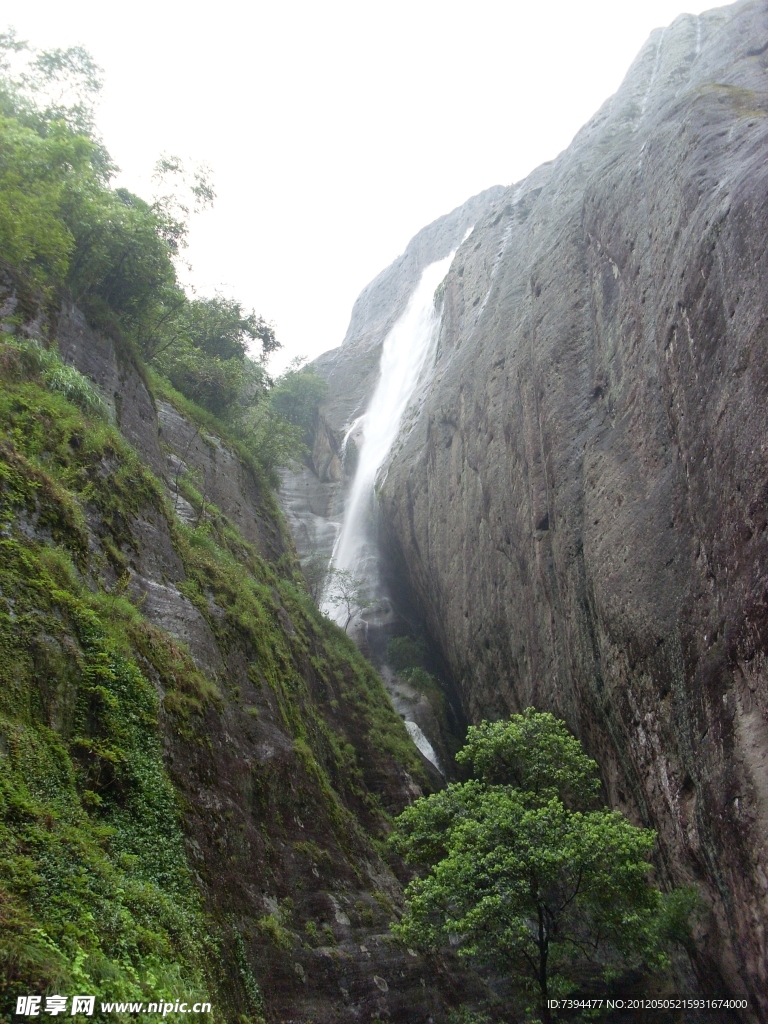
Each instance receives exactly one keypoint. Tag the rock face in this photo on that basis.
(580, 507)
(283, 750)
(313, 496)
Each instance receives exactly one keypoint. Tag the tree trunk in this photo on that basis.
(542, 979)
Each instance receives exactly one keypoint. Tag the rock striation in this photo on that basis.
(579, 509)
(279, 748)
(578, 506)
(312, 496)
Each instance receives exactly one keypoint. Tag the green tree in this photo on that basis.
(298, 393)
(524, 882)
(212, 351)
(45, 87)
(35, 175)
(121, 261)
(66, 232)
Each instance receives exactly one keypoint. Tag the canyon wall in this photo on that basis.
(576, 506)
(580, 507)
(206, 765)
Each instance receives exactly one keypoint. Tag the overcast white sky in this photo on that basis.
(337, 129)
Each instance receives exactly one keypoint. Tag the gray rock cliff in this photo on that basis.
(577, 505)
(579, 508)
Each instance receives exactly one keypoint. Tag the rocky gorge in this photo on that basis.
(574, 512)
(196, 768)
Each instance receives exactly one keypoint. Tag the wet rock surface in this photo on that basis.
(289, 875)
(313, 495)
(579, 508)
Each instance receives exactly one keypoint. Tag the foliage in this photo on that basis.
(206, 351)
(76, 388)
(272, 928)
(121, 263)
(298, 393)
(405, 652)
(526, 884)
(220, 327)
(65, 229)
(59, 221)
(31, 357)
(95, 892)
(407, 655)
(36, 175)
(202, 346)
(272, 441)
(175, 192)
(535, 753)
(43, 88)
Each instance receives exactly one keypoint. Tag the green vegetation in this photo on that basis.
(526, 873)
(96, 894)
(64, 231)
(94, 885)
(279, 936)
(407, 656)
(297, 394)
(405, 653)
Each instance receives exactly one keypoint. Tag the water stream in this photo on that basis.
(404, 358)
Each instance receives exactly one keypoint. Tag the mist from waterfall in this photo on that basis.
(403, 356)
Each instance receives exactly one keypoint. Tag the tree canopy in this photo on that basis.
(522, 876)
(66, 233)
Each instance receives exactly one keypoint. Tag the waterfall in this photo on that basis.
(403, 356)
(423, 744)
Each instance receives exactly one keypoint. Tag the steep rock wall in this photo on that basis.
(313, 495)
(274, 740)
(579, 507)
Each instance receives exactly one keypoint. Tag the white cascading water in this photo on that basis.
(423, 744)
(403, 356)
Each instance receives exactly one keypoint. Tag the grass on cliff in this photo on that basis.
(269, 614)
(95, 891)
(220, 564)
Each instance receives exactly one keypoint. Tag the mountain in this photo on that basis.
(576, 507)
(197, 769)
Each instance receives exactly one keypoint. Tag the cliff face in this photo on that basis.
(194, 762)
(579, 508)
(313, 496)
